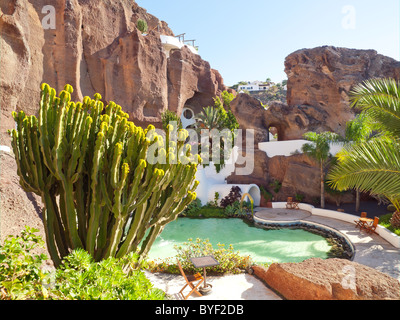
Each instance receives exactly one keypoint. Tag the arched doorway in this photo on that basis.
(273, 133)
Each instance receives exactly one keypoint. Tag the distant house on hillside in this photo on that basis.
(254, 86)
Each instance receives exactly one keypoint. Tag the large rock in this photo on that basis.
(319, 82)
(96, 47)
(21, 59)
(322, 78)
(330, 279)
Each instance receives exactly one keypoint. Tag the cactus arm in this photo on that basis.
(95, 203)
(48, 218)
(133, 230)
(148, 242)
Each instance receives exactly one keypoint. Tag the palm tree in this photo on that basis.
(318, 150)
(374, 165)
(357, 131)
(208, 118)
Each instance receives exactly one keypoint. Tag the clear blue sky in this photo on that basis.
(249, 40)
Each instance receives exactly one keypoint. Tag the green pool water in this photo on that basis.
(264, 246)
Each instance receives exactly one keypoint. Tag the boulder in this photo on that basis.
(330, 279)
(323, 77)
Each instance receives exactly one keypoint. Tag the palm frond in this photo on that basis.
(380, 100)
(372, 166)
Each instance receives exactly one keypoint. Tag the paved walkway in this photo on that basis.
(370, 250)
(231, 287)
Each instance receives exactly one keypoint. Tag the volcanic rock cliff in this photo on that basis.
(318, 87)
(96, 47)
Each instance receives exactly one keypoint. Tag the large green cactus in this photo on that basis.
(90, 166)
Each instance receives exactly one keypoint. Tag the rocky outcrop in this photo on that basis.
(318, 87)
(96, 47)
(321, 79)
(21, 59)
(331, 279)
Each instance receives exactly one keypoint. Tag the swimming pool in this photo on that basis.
(264, 246)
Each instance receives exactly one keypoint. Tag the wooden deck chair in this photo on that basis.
(359, 223)
(372, 227)
(292, 204)
(190, 282)
(289, 203)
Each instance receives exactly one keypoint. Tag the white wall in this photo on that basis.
(187, 121)
(211, 182)
(170, 43)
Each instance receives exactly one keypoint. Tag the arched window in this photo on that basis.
(273, 134)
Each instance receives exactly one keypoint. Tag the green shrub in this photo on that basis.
(384, 221)
(77, 278)
(266, 194)
(193, 208)
(80, 278)
(20, 274)
(229, 260)
(142, 26)
(211, 212)
(169, 116)
(299, 197)
(276, 185)
(234, 209)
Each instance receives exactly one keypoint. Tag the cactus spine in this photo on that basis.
(89, 165)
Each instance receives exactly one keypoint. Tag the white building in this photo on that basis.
(254, 86)
(175, 43)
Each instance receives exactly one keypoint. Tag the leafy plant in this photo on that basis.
(229, 260)
(142, 26)
(81, 278)
(193, 208)
(20, 274)
(318, 149)
(216, 198)
(170, 116)
(373, 165)
(92, 169)
(77, 278)
(299, 197)
(266, 194)
(276, 185)
(236, 210)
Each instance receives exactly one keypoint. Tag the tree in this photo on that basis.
(357, 131)
(209, 118)
(318, 150)
(374, 165)
(219, 117)
(91, 167)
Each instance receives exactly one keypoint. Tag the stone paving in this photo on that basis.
(370, 250)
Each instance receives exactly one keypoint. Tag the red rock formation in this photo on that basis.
(320, 79)
(96, 47)
(331, 279)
